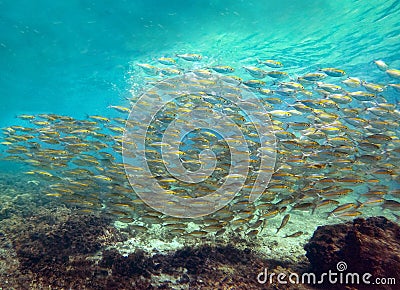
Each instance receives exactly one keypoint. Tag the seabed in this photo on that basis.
(45, 245)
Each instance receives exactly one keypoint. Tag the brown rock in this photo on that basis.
(366, 246)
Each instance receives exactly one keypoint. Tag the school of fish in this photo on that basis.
(337, 147)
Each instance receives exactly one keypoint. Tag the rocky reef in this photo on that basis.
(62, 249)
(202, 267)
(53, 247)
(50, 247)
(362, 246)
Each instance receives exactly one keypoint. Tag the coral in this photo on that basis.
(366, 246)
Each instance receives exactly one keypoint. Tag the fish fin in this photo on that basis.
(359, 204)
(315, 206)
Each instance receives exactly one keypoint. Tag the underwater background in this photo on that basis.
(73, 57)
(85, 58)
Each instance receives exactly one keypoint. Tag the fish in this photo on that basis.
(284, 222)
(166, 60)
(373, 201)
(378, 138)
(344, 208)
(254, 83)
(252, 233)
(334, 141)
(394, 73)
(391, 204)
(271, 63)
(333, 72)
(148, 68)
(331, 88)
(271, 213)
(190, 56)
(352, 82)
(395, 86)
(325, 202)
(286, 92)
(223, 69)
(294, 235)
(256, 72)
(203, 73)
(337, 192)
(373, 88)
(292, 85)
(347, 214)
(303, 206)
(167, 71)
(362, 96)
(280, 113)
(381, 65)
(313, 77)
(26, 117)
(277, 74)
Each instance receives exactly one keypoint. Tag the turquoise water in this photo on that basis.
(73, 57)
(77, 58)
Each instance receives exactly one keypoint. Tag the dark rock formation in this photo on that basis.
(43, 246)
(366, 246)
(54, 250)
(60, 248)
(68, 250)
(203, 267)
